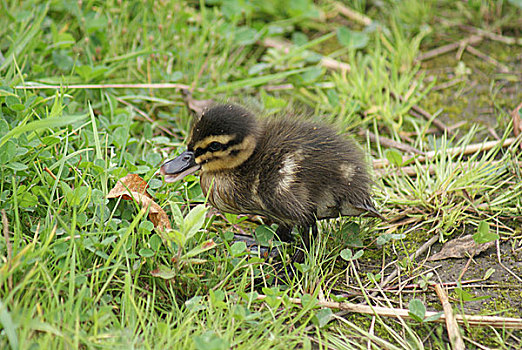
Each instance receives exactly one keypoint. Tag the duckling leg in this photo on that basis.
(284, 233)
(306, 236)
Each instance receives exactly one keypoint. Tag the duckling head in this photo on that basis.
(221, 139)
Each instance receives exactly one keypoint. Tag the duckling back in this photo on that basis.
(302, 171)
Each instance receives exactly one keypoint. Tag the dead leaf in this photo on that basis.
(462, 247)
(133, 187)
(132, 183)
(196, 106)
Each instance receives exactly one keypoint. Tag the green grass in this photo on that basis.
(81, 271)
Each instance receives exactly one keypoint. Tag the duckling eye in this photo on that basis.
(215, 146)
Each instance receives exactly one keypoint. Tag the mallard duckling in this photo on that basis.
(291, 171)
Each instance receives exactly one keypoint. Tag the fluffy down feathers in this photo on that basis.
(292, 171)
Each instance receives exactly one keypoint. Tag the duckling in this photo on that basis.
(290, 171)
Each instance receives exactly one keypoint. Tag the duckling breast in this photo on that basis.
(219, 188)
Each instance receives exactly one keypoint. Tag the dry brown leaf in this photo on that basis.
(196, 106)
(133, 187)
(129, 183)
(517, 124)
(461, 248)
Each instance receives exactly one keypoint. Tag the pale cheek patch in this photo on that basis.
(347, 171)
(215, 165)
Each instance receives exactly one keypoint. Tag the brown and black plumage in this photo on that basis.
(291, 171)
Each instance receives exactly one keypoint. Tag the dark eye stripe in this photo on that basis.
(215, 146)
(201, 151)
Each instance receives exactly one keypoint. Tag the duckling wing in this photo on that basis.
(283, 197)
(306, 172)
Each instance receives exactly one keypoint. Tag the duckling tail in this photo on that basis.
(370, 210)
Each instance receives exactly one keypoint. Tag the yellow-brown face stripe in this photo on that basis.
(223, 159)
(223, 139)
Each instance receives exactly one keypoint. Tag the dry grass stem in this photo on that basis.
(472, 40)
(384, 141)
(287, 46)
(472, 320)
(488, 59)
(447, 84)
(145, 115)
(493, 36)
(451, 323)
(333, 64)
(504, 266)
(279, 87)
(352, 14)
(406, 170)
(48, 171)
(9, 247)
(419, 112)
(37, 86)
(413, 171)
(476, 147)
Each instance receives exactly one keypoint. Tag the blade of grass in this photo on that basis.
(252, 82)
(41, 124)
(26, 37)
